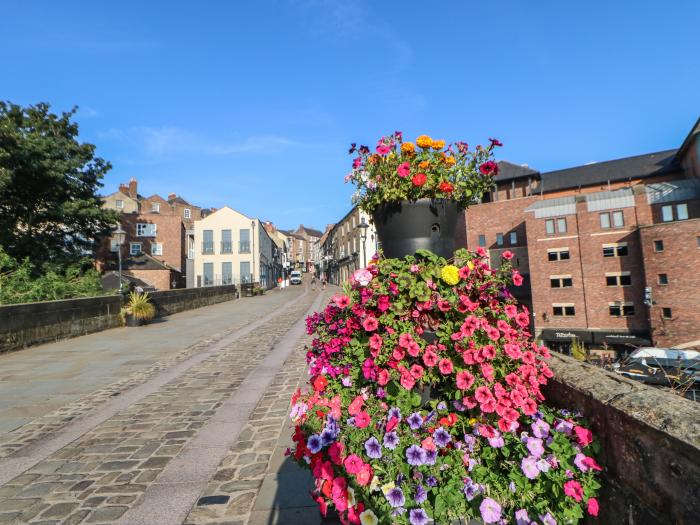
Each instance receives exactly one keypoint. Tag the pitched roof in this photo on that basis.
(639, 166)
(179, 200)
(144, 261)
(313, 232)
(509, 171)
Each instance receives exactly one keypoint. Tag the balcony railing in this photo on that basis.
(244, 247)
(226, 247)
(207, 247)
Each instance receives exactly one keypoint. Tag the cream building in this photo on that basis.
(232, 248)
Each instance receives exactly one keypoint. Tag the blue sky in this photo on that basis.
(253, 104)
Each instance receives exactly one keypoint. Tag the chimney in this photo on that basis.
(133, 188)
(124, 189)
(171, 196)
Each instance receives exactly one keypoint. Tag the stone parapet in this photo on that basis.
(650, 443)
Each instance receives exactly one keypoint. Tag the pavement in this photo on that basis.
(182, 421)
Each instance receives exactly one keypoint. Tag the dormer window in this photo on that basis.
(188, 213)
(155, 207)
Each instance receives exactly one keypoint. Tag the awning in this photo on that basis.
(621, 338)
(566, 336)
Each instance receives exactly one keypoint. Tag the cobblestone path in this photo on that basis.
(188, 439)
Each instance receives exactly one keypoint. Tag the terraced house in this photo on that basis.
(608, 250)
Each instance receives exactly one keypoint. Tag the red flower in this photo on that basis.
(391, 424)
(446, 187)
(419, 179)
(517, 278)
(320, 383)
(593, 506)
(489, 168)
(583, 435)
(362, 419)
(356, 405)
(573, 489)
(495, 142)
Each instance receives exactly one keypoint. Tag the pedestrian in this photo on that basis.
(313, 282)
(323, 281)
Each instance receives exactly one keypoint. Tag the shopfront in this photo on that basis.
(601, 343)
(560, 340)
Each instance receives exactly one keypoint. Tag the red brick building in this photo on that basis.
(157, 247)
(609, 251)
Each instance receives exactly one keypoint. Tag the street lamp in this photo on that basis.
(119, 235)
(363, 235)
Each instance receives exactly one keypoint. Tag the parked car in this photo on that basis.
(661, 366)
(295, 277)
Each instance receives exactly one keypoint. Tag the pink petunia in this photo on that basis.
(464, 380)
(583, 436)
(341, 301)
(353, 463)
(593, 507)
(362, 419)
(430, 358)
(445, 366)
(370, 324)
(403, 170)
(573, 489)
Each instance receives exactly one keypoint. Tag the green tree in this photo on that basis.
(50, 212)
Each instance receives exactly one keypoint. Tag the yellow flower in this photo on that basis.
(387, 487)
(408, 147)
(451, 160)
(424, 141)
(450, 274)
(438, 144)
(470, 265)
(472, 422)
(368, 517)
(374, 484)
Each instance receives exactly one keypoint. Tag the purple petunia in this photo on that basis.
(327, 437)
(469, 441)
(373, 448)
(490, 510)
(314, 443)
(431, 481)
(441, 437)
(395, 497)
(529, 467)
(496, 441)
(543, 465)
(395, 412)
(415, 421)
(391, 440)
(420, 495)
(548, 519)
(415, 455)
(430, 456)
(540, 429)
(417, 517)
(534, 445)
(522, 517)
(471, 489)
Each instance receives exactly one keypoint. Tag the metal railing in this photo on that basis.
(208, 247)
(226, 247)
(243, 246)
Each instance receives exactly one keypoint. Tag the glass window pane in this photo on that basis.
(561, 225)
(614, 310)
(569, 310)
(553, 256)
(605, 220)
(564, 255)
(628, 309)
(226, 273)
(663, 278)
(611, 280)
(567, 282)
(658, 246)
(245, 272)
(208, 274)
(549, 226)
(554, 283)
(609, 251)
(513, 238)
(482, 240)
(557, 310)
(625, 280)
(499, 239)
(622, 251)
(667, 213)
(618, 219)
(682, 211)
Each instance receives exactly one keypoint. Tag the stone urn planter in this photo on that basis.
(426, 224)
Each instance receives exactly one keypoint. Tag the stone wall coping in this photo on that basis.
(651, 406)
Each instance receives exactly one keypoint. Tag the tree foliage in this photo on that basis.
(49, 208)
(19, 282)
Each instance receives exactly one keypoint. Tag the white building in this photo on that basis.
(232, 248)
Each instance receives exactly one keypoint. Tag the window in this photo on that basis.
(135, 248)
(615, 250)
(156, 248)
(615, 219)
(244, 243)
(605, 220)
(119, 204)
(666, 313)
(187, 213)
(245, 272)
(208, 274)
(145, 230)
(226, 273)
(226, 244)
(621, 309)
(563, 310)
(658, 246)
(207, 241)
(482, 240)
(698, 239)
(113, 245)
(682, 212)
(499, 239)
(618, 279)
(513, 238)
(662, 279)
(554, 226)
(549, 226)
(561, 225)
(558, 254)
(155, 207)
(618, 219)
(560, 281)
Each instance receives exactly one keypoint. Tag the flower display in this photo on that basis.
(429, 168)
(425, 399)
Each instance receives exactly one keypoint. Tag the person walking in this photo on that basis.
(313, 282)
(323, 281)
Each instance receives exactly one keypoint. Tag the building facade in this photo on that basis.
(604, 248)
(303, 245)
(232, 248)
(347, 247)
(155, 249)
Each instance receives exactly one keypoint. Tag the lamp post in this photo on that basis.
(119, 236)
(363, 235)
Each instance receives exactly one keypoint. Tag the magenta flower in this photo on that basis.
(403, 170)
(370, 324)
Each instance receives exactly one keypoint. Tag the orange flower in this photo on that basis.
(408, 147)
(423, 164)
(438, 144)
(374, 159)
(424, 141)
(451, 160)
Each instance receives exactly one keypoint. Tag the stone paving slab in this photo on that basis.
(100, 476)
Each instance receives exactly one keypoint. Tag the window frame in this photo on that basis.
(561, 281)
(187, 213)
(617, 277)
(558, 252)
(685, 212)
(659, 243)
(159, 244)
(155, 207)
(624, 309)
(131, 248)
(119, 204)
(500, 239)
(667, 208)
(141, 226)
(547, 224)
(481, 241)
(605, 215)
(566, 309)
(621, 215)
(513, 238)
(666, 312)
(662, 281)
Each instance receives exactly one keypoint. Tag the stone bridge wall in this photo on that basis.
(650, 440)
(23, 325)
